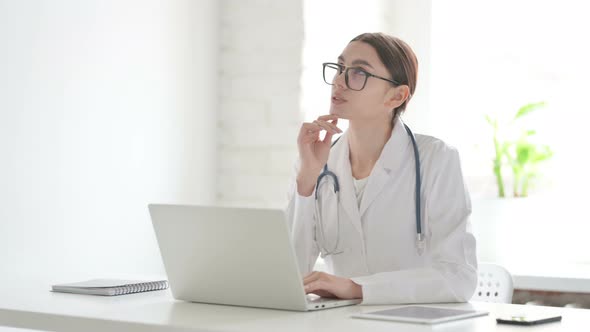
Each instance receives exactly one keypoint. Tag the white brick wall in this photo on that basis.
(260, 71)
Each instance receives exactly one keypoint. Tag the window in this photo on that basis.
(486, 57)
(491, 57)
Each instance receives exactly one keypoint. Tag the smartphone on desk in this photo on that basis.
(528, 319)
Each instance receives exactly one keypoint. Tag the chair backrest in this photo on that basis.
(494, 284)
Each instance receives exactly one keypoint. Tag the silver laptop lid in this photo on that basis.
(233, 256)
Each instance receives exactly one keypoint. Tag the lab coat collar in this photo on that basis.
(393, 155)
(340, 164)
(391, 158)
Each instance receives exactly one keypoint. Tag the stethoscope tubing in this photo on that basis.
(417, 200)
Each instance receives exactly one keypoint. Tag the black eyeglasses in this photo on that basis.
(355, 77)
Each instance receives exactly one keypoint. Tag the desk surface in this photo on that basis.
(30, 304)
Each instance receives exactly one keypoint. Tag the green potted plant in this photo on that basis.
(521, 154)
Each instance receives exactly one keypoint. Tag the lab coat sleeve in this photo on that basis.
(300, 214)
(450, 275)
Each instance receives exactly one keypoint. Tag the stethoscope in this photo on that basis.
(326, 173)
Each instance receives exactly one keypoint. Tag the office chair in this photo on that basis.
(494, 284)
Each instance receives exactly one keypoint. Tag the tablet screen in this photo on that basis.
(421, 314)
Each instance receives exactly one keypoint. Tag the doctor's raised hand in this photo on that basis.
(314, 151)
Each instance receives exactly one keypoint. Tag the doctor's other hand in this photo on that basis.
(314, 151)
(327, 285)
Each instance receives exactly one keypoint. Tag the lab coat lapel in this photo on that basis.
(393, 155)
(347, 194)
(377, 180)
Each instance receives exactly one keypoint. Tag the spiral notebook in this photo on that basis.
(110, 287)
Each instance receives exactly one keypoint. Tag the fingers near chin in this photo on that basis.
(328, 117)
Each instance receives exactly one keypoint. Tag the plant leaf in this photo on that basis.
(526, 109)
(524, 152)
(543, 153)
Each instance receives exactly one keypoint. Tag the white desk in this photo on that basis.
(29, 304)
(553, 278)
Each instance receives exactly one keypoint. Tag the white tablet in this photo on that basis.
(421, 314)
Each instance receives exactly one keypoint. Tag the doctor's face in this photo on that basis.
(369, 102)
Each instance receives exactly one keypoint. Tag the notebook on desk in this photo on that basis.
(110, 287)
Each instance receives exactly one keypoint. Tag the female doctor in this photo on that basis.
(355, 203)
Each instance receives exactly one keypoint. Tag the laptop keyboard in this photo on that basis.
(314, 299)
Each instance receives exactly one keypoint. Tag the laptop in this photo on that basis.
(232, 256)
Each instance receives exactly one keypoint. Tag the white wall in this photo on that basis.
(259, 119)
(105, 106)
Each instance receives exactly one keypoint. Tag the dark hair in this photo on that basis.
(398, 58)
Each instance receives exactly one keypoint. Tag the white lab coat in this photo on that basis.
(379, 239)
